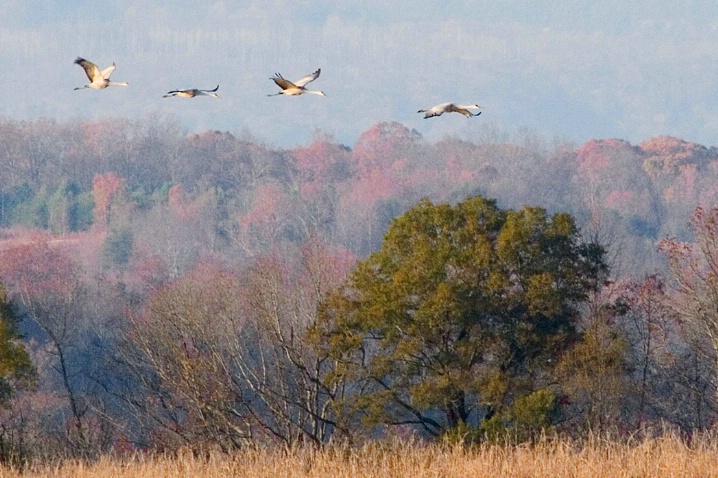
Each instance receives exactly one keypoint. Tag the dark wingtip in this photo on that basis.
(78, 60)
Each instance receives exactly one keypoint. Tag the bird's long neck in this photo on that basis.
(121, 83)
(314, 92)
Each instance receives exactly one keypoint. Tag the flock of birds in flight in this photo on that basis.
(100, 79)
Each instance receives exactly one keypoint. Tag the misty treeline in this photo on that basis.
(165, 289)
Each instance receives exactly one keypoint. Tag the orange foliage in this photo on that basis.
(268, 202)
(666, 154)
(595, 155)
(95, 134)
(105, 188)
(36, 269)
(377, 148)
(315, 159)
(179, 205)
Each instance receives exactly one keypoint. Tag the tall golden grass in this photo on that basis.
(655, 458)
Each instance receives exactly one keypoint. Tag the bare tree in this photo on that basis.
(46, 282)
(274, 358)
(693, 294)
(184, 392)
(219, 360)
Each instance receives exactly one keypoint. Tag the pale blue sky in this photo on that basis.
(574, 70)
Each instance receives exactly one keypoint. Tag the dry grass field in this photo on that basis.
(655, 458)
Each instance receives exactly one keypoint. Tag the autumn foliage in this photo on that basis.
(206, 290)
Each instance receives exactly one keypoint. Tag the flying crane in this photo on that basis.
(191, 93)
(442, 108)
(98, 79)
(296, 88)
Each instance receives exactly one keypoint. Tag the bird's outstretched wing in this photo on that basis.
(308, 79)
(211, 91)
(432, 113)
(90, 68)
(436, 110)
(282, 83)
(108, 71)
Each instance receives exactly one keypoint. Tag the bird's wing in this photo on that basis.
(308, 79)
(467, 107)
(211, 91)
(282, 83)
(90, 68)
(440, 109)
(108, 71)
(187, 93)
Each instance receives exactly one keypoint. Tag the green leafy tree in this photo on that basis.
(33, 212)
(595, 374)
(17, 374)
(461, 312)
(16, 369)
(118, 247)
(81, 212)
(11, 200)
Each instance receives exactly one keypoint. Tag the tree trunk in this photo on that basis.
(456, 410)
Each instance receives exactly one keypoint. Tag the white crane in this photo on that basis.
(191, 93)
(296, 88)
(442, 108)
(98, 79)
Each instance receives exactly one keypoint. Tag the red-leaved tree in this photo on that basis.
(106, 188)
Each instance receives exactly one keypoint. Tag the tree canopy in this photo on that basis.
(16, 369)
(462, 311)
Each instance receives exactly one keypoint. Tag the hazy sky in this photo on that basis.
(572, 69)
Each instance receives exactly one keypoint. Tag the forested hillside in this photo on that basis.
(118, 175)
(179, 288)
